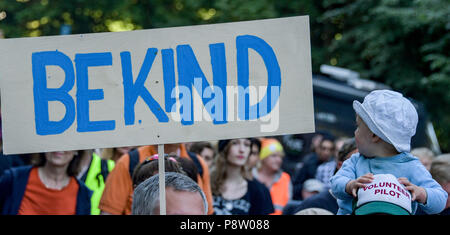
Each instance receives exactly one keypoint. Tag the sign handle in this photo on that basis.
(162, 180)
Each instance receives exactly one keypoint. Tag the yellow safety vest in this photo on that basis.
(95, 181)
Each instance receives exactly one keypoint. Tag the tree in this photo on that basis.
(404, 44)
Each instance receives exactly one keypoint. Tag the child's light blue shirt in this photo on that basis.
(401, 165)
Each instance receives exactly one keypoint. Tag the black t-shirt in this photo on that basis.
(256, 201)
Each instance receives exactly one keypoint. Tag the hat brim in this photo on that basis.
(380, 208)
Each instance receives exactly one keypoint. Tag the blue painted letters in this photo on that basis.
(190, 77)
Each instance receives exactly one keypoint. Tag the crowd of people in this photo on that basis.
(242, 176)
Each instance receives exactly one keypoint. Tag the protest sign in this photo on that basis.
(156, 86)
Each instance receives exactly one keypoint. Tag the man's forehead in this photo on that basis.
(194, 205)
(327, 143)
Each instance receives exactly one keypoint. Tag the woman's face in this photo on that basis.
(208, 156)
(238, 152)
(254, 157)
(60, 158)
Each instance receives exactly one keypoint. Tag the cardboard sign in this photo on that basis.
(157, 86)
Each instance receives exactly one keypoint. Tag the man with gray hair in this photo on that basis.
(183, 196)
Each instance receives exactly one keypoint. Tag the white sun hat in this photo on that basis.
(390, 116)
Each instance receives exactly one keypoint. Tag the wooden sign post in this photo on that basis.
(162, 177)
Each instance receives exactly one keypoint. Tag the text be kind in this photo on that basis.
(188, 70)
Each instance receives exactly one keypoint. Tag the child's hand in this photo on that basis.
(418, 194)
(353, 186)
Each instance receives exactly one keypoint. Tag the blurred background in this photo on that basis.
(357, 46)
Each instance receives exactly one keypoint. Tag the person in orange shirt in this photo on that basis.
(270, 174)
(50, 187)
(118, 192)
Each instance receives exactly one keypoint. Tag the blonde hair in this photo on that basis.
(423, 153)
(440, 168)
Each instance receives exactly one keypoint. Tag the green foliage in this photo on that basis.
(403, 43)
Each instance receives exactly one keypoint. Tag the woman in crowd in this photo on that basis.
(233, 190)
(205, 150)
(49, 187)
(253, 161)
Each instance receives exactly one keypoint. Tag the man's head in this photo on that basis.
(326, 148)
(315, 141)
(425, 156)
(271, 154)
(312, 187)
(183, 196)
(386, 115)
(440, 170)
(345, 152)
(253, 159)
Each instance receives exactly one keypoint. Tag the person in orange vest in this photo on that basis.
(118, 192)
(270, 173)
